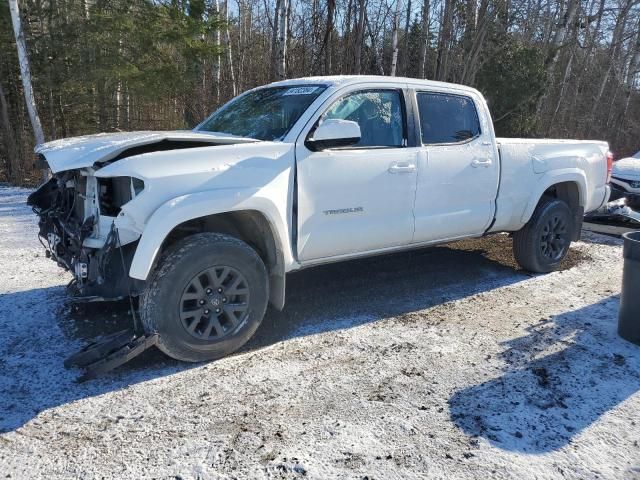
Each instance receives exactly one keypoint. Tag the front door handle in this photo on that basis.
(402, 167)
(481, 162)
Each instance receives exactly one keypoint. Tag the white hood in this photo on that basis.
(627, 169)
(82, 152)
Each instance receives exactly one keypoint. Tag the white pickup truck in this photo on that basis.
(204, 225)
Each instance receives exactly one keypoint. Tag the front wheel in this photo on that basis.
(544, 241)
(207, 298)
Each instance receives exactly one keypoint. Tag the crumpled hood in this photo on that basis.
(627, 168)
(85, 151)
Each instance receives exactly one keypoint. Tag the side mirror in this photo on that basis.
(333, 133)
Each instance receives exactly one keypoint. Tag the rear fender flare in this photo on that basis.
(550, 179)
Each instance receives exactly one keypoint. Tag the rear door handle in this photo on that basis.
(481, 162)
(402, 167)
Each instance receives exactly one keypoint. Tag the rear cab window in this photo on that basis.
(447, 118)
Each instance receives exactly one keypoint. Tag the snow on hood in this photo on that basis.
(627, 168)
(82, 152)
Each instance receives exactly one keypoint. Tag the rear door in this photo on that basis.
(358, 198)
(458, 170)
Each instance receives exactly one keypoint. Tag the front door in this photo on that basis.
(359, 198)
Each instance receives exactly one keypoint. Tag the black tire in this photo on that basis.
(187, 271)
(541, 245)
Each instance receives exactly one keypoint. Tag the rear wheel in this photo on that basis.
(544, 241)
(207, 298)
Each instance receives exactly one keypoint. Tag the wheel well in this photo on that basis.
(250, 226)
(568, 192)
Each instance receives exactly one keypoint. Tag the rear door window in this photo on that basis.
(447, 118)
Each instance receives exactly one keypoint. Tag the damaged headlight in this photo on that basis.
(114, 192)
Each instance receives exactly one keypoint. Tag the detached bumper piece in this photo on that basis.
(110, 352)
(612, 219)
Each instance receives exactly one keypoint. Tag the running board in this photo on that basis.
(109, 352)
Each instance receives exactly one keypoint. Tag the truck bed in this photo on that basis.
(527, 164)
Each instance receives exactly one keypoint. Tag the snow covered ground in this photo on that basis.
(441, 363)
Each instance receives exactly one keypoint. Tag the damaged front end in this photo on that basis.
(77, 219)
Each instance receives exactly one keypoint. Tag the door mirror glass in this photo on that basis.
(332, 133)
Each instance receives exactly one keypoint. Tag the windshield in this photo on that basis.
(264, 114)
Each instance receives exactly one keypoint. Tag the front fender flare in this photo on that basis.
(191, 206)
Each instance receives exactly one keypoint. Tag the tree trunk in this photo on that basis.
(557, 43)
(227, 40)
(359, 38)
(561, 96)
(326, 41)
(582, 71)
(217, 60)
(394, 38)
(274, 34)
(442, 61)
(559, 37)
(281, 44)
(14, 175)
(345, 42)
(25, 73)
(472, 57)
(424, 40)
(614, 52)
(374, 49)
(634, 65)
(405, 49)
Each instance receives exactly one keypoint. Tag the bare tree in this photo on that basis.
(634, 64)
(614, 55)
(374, 49)
(424, 39)
(282, 17)
(215, 71)
(474, 49)
(359, 37)
(394, 38)
(326, 41)
(577, 62)
(25, 72)
(11, 149)
(227, 41)
(568, 20)
(405, 47)
(442, 60)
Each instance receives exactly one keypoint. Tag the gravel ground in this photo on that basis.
(447, 362)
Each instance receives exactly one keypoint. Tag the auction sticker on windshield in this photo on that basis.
(300, 91)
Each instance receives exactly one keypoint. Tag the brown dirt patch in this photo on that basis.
(499, 248)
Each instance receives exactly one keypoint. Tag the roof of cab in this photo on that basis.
(340, 80)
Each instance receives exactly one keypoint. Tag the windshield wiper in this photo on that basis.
(230, 135)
